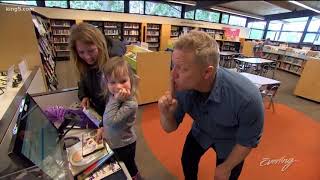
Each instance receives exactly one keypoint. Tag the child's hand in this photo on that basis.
(122, 95)
(99, 135)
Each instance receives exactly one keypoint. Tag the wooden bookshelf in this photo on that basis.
(225, 45)
(61, 31)
(153, 36)
(217, 34)
(287, 60)
(97, 24)
(131, 32)
(153, 68)
(308, 85)
(47, 52)
(113, 29)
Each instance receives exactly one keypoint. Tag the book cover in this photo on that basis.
(89, 144)
(92, 115)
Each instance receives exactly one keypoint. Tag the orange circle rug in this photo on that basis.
(289, 148)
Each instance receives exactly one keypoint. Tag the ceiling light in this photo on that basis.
(304, 6)
(182, 2)
(240, 14)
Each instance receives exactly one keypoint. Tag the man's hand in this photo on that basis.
(99, 135)
(222, 172)
(85, 103)
(167, 104)
(123, 94)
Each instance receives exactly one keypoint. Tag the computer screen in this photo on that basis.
(36, 141)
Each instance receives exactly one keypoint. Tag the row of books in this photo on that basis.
(59, 39)
(46, 50)
(60, 31)
(130, 32)
(60, 23)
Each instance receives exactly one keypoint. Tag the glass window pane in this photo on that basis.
(32, 3)
(273, 35)
(189, 15)
(294, 24)
(314, 24)
(257, 25)
(225, 18)
(117, 6)
(162, 9)
(237, 21)
(62, 4)
(317, 41)
(136, 7)
(207, 15)
(290, 36)
(275, 25)
(309, 38)
(256, 34)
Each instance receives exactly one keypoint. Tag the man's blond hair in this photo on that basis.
(205, 48)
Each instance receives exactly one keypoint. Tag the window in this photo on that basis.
(273, 35)
(32, 3)
(290, 36)
(309, 38)
(256, 34)
(294, 24)
(162, 9)
(116, 6)
(314, 24)
(61, 4)
(136, 7)
(189, 15)
(237, 21)
(317, 41)
(275, 25)
(257, 25)
(225, 18)
(207, 16)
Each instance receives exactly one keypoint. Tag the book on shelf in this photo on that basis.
(89, 143)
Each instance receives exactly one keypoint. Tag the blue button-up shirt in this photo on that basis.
(232, 114)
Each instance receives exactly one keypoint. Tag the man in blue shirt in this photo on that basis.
(226, 108)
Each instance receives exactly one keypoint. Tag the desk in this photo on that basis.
(254, 60)
(259, 80)
(228, 53)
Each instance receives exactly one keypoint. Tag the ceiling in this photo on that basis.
(254, 8)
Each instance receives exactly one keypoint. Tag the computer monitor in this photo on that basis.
(35, 141)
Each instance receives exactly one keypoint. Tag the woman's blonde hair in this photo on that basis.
(205, 48)
(116, 68)
(87, 34)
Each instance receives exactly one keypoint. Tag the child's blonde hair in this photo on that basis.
(115, 68)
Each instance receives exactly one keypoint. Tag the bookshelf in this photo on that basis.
(288, 59)
(113, 29)
(175, 31)
(148, 65)
(233, 46)
(97, 24)
(217, 34)
(153, 36)
(61, 32)
(131, 32)
(47, 52)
